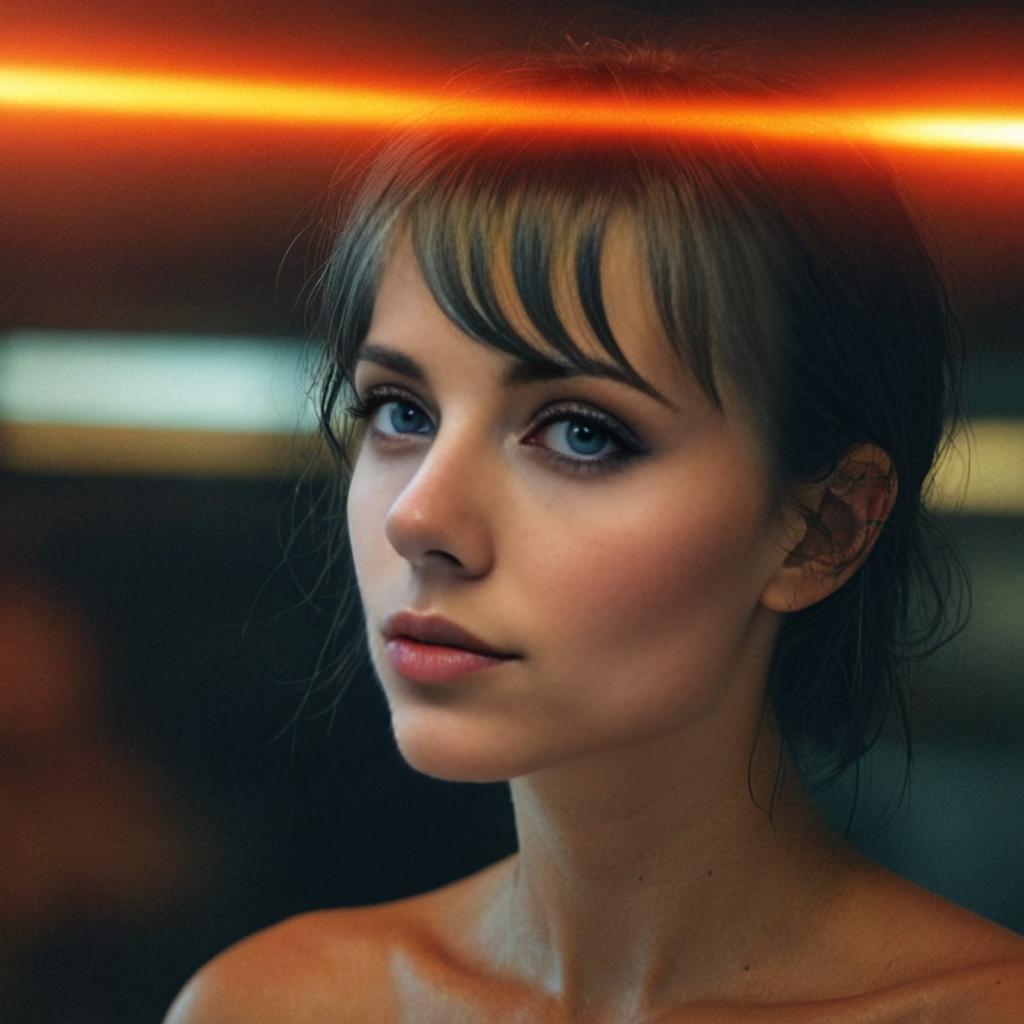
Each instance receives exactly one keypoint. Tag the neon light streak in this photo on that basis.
(140, 95)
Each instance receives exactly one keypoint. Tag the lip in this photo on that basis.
(435, 629)
(435, 663)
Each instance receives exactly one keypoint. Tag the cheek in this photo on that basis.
(366, 508)
(649, 603)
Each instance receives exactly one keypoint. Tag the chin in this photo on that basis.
(452, 755)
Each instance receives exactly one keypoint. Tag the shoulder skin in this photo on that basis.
(991, 993)
(321, 966)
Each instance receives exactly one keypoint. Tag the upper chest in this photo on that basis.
(424, 972)
(418, 992)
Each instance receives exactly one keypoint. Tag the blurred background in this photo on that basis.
(158, 796)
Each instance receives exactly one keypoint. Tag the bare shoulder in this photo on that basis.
(319, 966)
(327, 967)
(930, 959)
(988, 993)
(979, 978)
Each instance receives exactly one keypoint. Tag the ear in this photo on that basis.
(850, 508)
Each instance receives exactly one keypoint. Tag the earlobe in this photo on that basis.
(849, 510)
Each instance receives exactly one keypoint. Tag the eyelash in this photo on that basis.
(362, 408)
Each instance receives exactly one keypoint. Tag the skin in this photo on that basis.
(643, 604)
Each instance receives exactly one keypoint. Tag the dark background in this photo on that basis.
(159, 807)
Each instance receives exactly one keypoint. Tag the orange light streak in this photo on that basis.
(142, 95)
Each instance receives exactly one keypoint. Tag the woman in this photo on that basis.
(644, 423)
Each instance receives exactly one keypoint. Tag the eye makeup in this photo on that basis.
(625, 445)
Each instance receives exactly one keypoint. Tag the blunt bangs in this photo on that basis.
(500, 218)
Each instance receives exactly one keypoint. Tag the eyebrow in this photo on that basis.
(517, 373)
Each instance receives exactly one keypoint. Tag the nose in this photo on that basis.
(442, 517)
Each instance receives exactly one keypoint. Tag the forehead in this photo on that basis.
(405, 308)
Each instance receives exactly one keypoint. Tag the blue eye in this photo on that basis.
(586, 432)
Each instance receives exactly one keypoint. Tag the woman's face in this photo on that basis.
(629, 592)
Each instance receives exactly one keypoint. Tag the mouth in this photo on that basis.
(481, 650)
(445, 647)
(425, 662)
(440, 633)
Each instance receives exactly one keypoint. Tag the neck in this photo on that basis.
(647, 877)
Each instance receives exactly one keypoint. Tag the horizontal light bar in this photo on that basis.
(985, 475)
(249, 385)
(94, 403)
(83, 402)
(127, 94)
(121, 451)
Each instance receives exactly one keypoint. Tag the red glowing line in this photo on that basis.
(187, 97)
